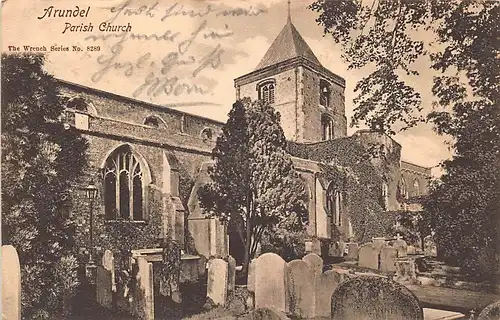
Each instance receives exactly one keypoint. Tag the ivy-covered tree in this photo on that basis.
(40, 162)
(255, 187)
(462, 44)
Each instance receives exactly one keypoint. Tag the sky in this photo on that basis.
(185, 54)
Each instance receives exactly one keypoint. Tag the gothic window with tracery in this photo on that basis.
(123, 186)
(334, 205)
(326, 128)
(267, 92)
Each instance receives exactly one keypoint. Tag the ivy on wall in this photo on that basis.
(346, 163)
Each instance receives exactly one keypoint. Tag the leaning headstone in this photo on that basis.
(402, 248)
(108, 262)
(353, 251)
(104, 283)
(11, 284)
(144, 291)
(388, 257)
(270, 273)
(231, 273)
(374, 298)
(491, 312)
(326, 284)
(251, 276)
(315, 263)
(368, 256)
(217, 281)
(301, 285)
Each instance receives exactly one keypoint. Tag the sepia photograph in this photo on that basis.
(250, 159)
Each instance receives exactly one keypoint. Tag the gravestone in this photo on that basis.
(301, 283)
(268, 314)
(217, 281)
(315, 263)
(335, 249)
(353, 251)
(411, 250)
(251, 276)
(402, 248)
(143, 298)
(368, 256)
(316, 246)
(374, 298)
(270, 273)
(108, 262)
(405, 269)
(231, 273)
(379, 243)
(388, 256)
(11, 284)
(202, 266)
(326, 284)
(104, 283)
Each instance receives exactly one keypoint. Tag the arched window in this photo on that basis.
(81, 104)
(123, 186)
(403, 192)
(385, 196)
(155, 121)
(324, 93)
(206, 134)
(267, 92)
(334, 205)
(416, 188)
(326, 128)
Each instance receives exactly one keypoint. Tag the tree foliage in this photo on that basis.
(462, 45)
(255, 187)
(40, 162)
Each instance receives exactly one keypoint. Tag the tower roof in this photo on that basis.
(287, 45)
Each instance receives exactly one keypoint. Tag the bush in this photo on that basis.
(286, 244)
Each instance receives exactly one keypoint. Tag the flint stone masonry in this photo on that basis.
(388, 256)
(104, 294)
(401, 247)
(11, 284)
(301, 283)
(368, 256)
(315, 263)
(353, 251)
(325, 285)
(374, 298)
(217, 281)
(270, 277)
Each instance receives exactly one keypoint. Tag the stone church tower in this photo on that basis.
(309, 97)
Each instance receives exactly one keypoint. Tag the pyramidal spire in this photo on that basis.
(289, 19)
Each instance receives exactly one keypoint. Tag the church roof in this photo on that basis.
(287, 45)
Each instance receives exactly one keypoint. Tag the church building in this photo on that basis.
(148, 161)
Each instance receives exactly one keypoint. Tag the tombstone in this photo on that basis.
(411, 250)
(143, 302)
(217, 281)
(231, 273)
(326, 284)
(388, 256)
(301, 283)
(202, 266)
(405, 269)
(402, 248)
(11, 284)
(374, 298)
(316, 246)
(491, 312)
(108, 262)
(353, 251)
(335, 249)
(379, 243)
(251, 276)
(315, 263)
(270, 273)
(104, 284)
(368, 256)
